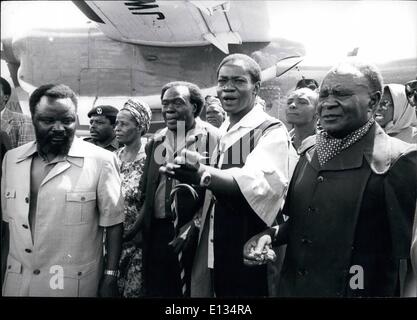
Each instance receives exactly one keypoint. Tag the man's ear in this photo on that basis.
(257, 88)
(375, 98)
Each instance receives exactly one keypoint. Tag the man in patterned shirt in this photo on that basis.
(18, 126)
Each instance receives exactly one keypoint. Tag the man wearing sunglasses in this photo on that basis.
(411, 92)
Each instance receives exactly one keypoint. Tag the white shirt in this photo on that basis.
(265, 176)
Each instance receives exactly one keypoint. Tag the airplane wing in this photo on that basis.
(180, 23)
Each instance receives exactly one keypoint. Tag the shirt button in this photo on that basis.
(27, 200)
(211, 240)
(37, 271)
(25, 226)
(320, 179)
(82, 198)
(9, 266)
(8, 194)
(80, 273)
(28, 250)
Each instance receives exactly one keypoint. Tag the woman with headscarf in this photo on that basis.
(396, 115)
(132, 122)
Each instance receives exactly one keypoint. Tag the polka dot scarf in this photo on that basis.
(328, 147)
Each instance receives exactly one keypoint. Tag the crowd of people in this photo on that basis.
(203, 206)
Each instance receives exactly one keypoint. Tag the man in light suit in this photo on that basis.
(57, 195)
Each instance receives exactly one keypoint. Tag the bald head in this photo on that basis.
(349, 95)
(357, 68)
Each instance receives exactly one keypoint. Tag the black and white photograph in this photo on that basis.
(207, 158)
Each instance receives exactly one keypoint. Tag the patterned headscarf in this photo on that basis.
(140, 111)
(328, 147)
(215, 103)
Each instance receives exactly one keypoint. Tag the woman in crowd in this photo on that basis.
(132, 122)
(396, 115)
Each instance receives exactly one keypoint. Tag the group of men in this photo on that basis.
(216, 200)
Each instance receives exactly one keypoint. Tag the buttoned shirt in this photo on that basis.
(77, 197)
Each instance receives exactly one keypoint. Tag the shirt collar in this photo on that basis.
(75, 154)
(166, 136)
(251, 120)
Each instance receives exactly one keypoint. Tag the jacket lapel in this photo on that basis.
(353, 156)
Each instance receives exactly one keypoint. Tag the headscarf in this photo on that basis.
(215, 103)
(140, 111)
(404, 114)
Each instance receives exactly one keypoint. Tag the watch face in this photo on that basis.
(206, 179)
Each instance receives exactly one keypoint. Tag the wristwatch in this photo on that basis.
(114, 273)
(205, 179)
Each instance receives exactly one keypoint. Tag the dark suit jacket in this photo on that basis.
(354, 214)
(187, 206)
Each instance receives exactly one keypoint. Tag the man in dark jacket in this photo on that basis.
(163, 266)
(351, 201)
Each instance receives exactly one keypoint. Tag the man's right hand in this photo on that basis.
(257, 250)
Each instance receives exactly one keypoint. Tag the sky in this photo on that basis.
(382, 30)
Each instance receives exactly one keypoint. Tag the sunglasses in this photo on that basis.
(411, 92)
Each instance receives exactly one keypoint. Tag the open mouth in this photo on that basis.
(229, 100)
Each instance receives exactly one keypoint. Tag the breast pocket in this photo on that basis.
(13, 277)
(80, 207)
(10, 196)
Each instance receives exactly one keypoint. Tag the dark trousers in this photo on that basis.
(162, 267)
(236, 280)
